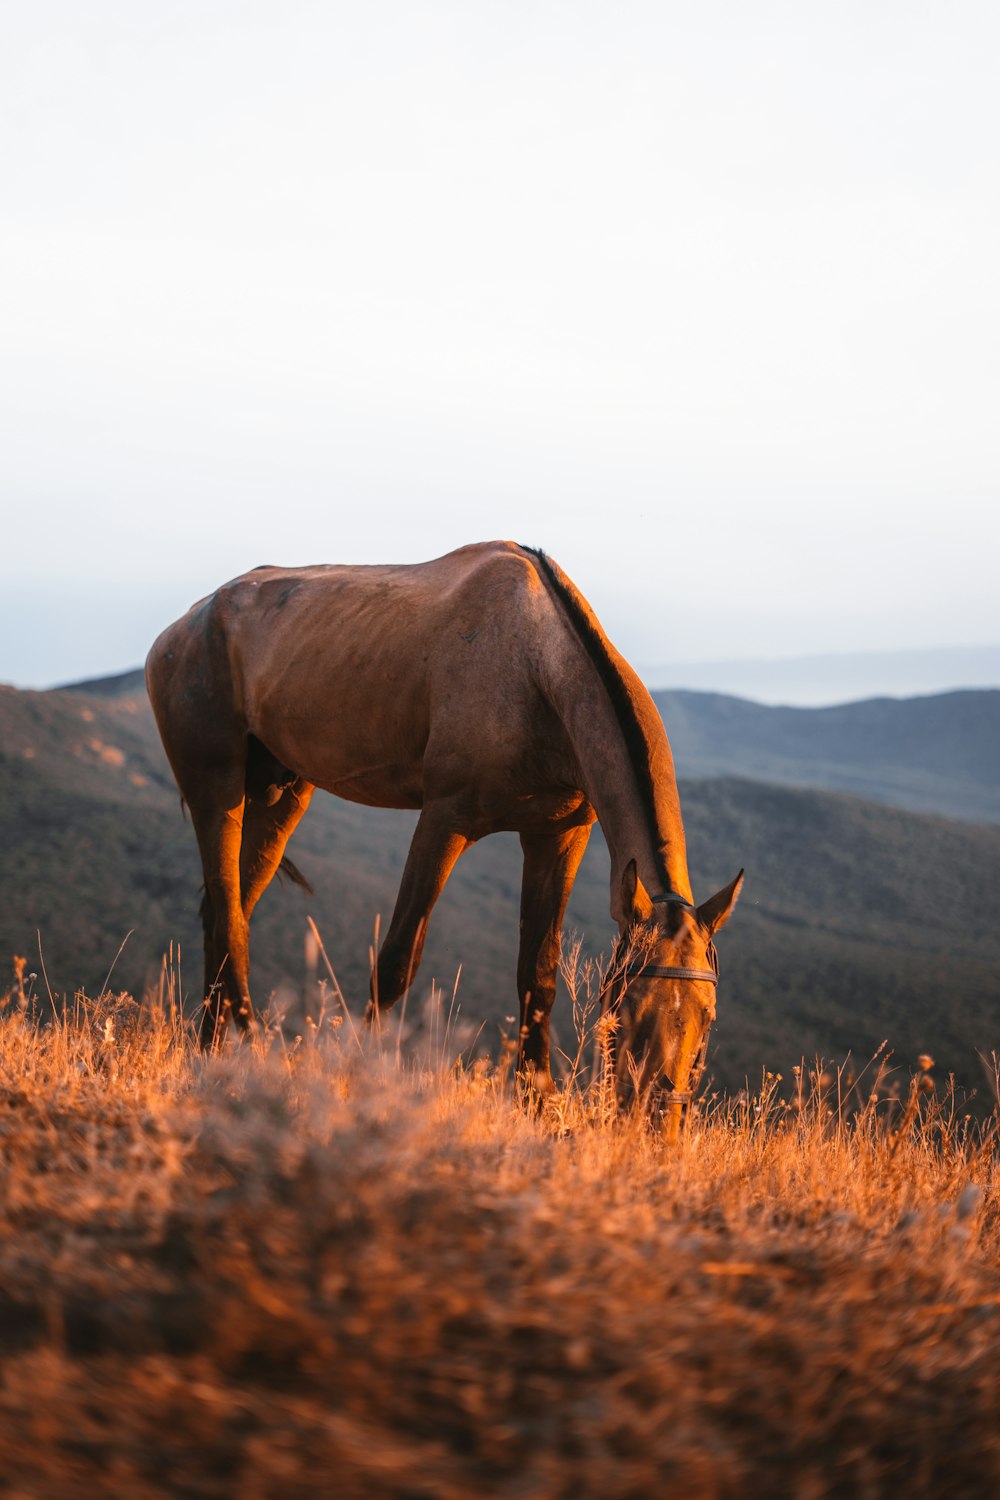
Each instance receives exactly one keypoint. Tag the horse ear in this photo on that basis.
(635, 900)
(714, 913)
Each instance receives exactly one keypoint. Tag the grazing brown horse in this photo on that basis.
(481, 689)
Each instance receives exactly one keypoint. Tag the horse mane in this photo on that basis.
(595, 643)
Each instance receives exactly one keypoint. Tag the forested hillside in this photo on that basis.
(934, 754)
(859, 922)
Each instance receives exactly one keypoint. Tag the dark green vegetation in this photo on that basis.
(934, 754)
(859, 922)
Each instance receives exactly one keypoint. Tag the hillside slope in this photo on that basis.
(939, 753)
(935, 754)
(860, 922)
(305, 1272)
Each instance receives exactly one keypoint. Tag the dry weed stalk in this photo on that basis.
(350, 1264)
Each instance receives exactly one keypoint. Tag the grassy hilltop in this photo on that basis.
(860, 922)
(326, 1263)
(308, 1271)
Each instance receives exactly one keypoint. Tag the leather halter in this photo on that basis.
(675, 971)
(679, 1098)
(671, 971)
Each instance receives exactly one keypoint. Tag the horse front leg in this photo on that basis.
(551, 861)
(434, 850)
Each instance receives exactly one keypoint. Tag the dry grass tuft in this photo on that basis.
(314, 1268)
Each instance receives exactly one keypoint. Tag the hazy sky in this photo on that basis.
(703, 298)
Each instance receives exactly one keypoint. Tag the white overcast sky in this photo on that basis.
(701, 297)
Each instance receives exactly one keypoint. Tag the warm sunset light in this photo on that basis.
(507, 710)
(499, 775)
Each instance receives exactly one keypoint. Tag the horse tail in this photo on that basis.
(292, 872)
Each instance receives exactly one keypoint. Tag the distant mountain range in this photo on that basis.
(934, 754)
(860, 922)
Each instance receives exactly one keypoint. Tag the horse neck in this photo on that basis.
(639, 814)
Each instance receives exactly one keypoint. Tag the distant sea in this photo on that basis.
(818, 681)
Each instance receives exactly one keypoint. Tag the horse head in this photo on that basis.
(662, 994)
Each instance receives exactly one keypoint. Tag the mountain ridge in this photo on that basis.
(937, 752)
(934, 753)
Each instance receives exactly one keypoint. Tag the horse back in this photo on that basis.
(382, 683)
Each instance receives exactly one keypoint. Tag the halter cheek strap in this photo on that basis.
(672, 971)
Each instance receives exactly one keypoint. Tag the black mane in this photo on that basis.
(596, 647)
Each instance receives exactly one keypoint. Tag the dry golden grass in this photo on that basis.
(315, 1269)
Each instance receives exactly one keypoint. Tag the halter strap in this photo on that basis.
(671, 898)
(668, 971)
(679, 1098)
(673, 971)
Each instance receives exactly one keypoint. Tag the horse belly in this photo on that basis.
(353, 728)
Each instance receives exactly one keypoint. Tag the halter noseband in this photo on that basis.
(670, 971)
(679, 1098)
(674, 971)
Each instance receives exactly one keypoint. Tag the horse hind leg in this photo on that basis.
(211, 773)
(218, 824)
(242, 829)
(205, 738)
(268, 824)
